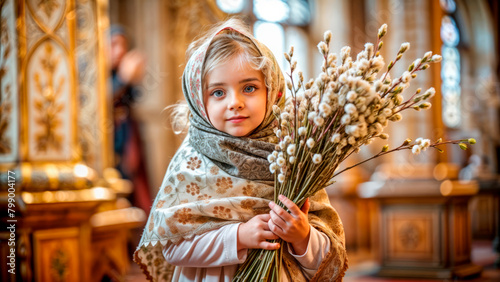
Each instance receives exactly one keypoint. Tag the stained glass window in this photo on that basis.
(300, 13)
(449, 31)
(448, 6)
(450, 66)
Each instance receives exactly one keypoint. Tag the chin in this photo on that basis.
(239, 133)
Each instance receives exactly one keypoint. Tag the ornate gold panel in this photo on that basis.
(9, 124)
(48, 72)
(48, 90)
(48, 14)
(31, 28)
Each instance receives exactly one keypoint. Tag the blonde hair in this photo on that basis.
(225, 45)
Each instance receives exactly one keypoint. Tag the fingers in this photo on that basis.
(277, 230)
(280, 212)
(260, 222)
(255, 233)
(276, 219)
(306, 206)
(268, 245)
(264, 217)
(268, 235)
(292, 207)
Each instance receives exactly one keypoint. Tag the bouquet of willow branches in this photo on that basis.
(328, 119)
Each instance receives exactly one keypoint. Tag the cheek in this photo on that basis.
(213, 111)
(262, 105)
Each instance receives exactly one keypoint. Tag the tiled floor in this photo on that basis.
(363, 268)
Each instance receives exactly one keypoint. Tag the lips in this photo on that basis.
(237, 119)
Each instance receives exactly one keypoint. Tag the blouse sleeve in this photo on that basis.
(317, 249)
(214, 248)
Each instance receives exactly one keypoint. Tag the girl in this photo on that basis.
(215, 200)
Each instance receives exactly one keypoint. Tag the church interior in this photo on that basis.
(86, 138)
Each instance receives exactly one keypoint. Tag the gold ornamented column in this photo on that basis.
(54, 118)
(62, 73)
(54, 135)
(54, 124)
(9, 122)
(94, 120)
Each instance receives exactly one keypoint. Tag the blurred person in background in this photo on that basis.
(127, 71)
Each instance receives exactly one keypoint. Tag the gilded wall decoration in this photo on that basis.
(5, 112)
(9, 132)
(47, 104)
(48, 14)
(91, 135)
(62, 33)
(48, 6)
(48, 89)
(33, 30)
(49, 73)
(5, 104)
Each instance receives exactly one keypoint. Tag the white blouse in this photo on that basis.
(213, 256)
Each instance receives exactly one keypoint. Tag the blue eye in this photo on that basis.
(249, 89)
(218, 93)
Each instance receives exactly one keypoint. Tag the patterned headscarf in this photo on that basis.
(216, 179)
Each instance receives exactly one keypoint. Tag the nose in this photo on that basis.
(236, 102)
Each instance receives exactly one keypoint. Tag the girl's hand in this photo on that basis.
(254, 233)
(292, 227)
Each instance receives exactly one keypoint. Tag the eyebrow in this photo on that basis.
(240, 82)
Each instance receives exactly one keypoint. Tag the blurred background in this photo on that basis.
(85, 140)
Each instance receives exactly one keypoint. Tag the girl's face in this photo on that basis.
(235, 96)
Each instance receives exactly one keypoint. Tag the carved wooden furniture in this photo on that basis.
(424, 227)
(356, 213)
(485, 213)
(53, 234)
(110, 255)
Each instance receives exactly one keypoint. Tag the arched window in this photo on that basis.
(231, 6)
(277, 23)
(450, 71)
